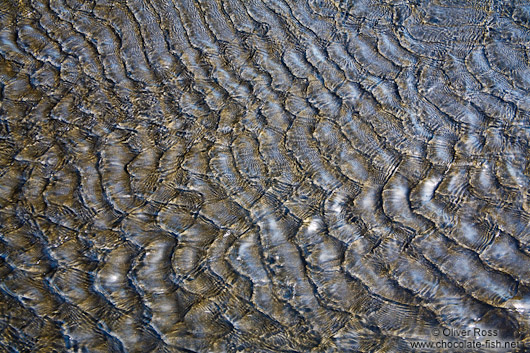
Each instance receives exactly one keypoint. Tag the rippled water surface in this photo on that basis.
(264, 175)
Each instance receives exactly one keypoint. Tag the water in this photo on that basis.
(264, 176)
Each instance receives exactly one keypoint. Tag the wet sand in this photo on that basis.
(264, 176)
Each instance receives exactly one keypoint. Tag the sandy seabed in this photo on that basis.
(264, 176)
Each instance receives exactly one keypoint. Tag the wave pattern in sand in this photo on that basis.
(262, 175)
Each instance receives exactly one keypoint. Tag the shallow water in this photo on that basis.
(264, 176)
